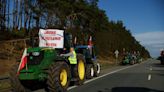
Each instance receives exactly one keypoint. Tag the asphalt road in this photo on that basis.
(144, 77)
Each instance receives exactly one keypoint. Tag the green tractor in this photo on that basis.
(128, 59)
(46, 67)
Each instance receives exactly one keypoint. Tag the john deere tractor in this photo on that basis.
(46, 66)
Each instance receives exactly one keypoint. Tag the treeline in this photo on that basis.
(82, 18)
(118, 38)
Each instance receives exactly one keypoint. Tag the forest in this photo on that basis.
(21, 19)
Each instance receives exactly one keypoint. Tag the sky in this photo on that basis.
(144, 18)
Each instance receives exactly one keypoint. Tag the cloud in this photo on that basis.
(153, 41)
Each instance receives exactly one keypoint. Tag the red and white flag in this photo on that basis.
(75, 40)
(90, 41)
(90, 44)
(23, 61)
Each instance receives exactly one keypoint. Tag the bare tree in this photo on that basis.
(2, 14)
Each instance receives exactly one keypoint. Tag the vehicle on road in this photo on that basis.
(161, 57)
(129, 59)
(93, 66)
(44, 66)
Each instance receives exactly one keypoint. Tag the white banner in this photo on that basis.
(51, 38)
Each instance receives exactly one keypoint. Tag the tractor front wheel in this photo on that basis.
(97, 69)
(89, 71)
(58, 77)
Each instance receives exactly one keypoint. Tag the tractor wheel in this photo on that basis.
(58, 77)
(97, 69)
(16, 85)
(132, 62)
(89, 71)
(123, 63)
(79, 70)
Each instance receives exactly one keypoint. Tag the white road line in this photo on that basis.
(149, 77)
(103, 76)
(151, 68)
(71, 87)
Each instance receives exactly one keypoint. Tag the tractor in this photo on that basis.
(139, 59)
(92, 66)
(45, 67)
(129, 59)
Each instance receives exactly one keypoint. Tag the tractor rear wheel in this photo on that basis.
(16, 85)
(58, 77)
(97, 69)
(89, 71)
(79, 70)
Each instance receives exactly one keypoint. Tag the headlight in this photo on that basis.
(35, 53)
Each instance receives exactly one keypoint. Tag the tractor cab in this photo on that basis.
(87, 51)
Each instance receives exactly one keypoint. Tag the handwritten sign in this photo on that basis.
(51, 38)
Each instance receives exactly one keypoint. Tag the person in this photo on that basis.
(71, 56)
(116, 53)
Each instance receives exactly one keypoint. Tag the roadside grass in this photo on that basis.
(4, 85)
(5, 66)
(107, 62)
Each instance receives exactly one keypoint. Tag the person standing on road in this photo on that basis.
(116, 55)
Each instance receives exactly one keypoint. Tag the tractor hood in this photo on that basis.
(37, 49)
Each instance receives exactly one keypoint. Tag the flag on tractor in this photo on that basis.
(75, 40)
(90, 44)
(90, 41)
(23, 61)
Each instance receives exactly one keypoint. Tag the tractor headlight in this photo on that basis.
(35, 53)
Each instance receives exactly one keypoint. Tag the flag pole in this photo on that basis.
(25, 48)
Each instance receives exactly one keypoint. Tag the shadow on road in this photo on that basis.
(133, 89)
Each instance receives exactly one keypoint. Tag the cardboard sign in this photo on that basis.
(51, 38)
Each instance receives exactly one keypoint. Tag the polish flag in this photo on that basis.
(90, 41)
(23, 61)
(75, 40)
(90, 44)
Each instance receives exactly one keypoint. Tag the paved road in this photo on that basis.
(145, 77)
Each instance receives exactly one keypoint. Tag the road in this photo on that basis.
(144, 77)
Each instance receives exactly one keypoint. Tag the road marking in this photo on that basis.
(151, 68)
(149, 77)
(90, 80)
